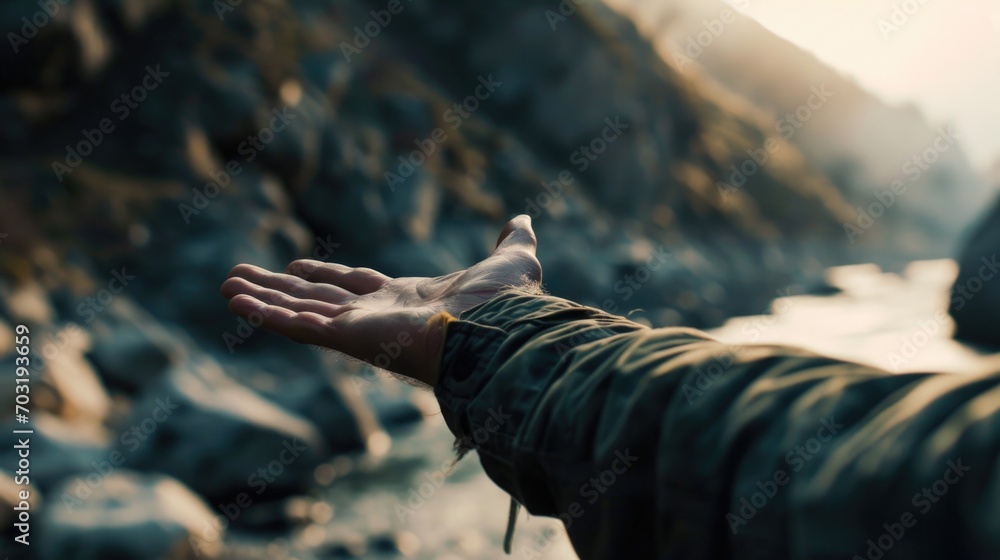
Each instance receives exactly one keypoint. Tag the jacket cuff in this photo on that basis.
(484, 403)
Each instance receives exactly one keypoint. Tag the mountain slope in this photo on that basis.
(866, 147)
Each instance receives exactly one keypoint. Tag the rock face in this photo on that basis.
(975, 298)
(131, 517)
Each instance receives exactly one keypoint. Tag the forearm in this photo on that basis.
(538, 386)
(553, 394)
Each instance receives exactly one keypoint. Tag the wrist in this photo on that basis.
(434, 347)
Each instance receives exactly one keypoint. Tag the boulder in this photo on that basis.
(344, 421)
(219, 437)
(308, 383)
(130, 348)
(62, 381)
(975, 297)
(132, 516)
(58, 449)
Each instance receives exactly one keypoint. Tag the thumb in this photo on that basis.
(517, 234)
(517, 245)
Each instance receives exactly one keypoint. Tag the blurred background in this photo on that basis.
(814, 173)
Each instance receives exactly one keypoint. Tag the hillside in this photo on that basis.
(874, 152)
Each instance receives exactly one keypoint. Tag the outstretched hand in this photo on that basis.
(393, 323)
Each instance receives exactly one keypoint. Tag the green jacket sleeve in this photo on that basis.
(664, 443)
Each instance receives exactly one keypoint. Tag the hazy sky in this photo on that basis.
(945, 56)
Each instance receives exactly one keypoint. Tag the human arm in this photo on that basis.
(553, 395)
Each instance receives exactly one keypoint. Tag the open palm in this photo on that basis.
(393, 323)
